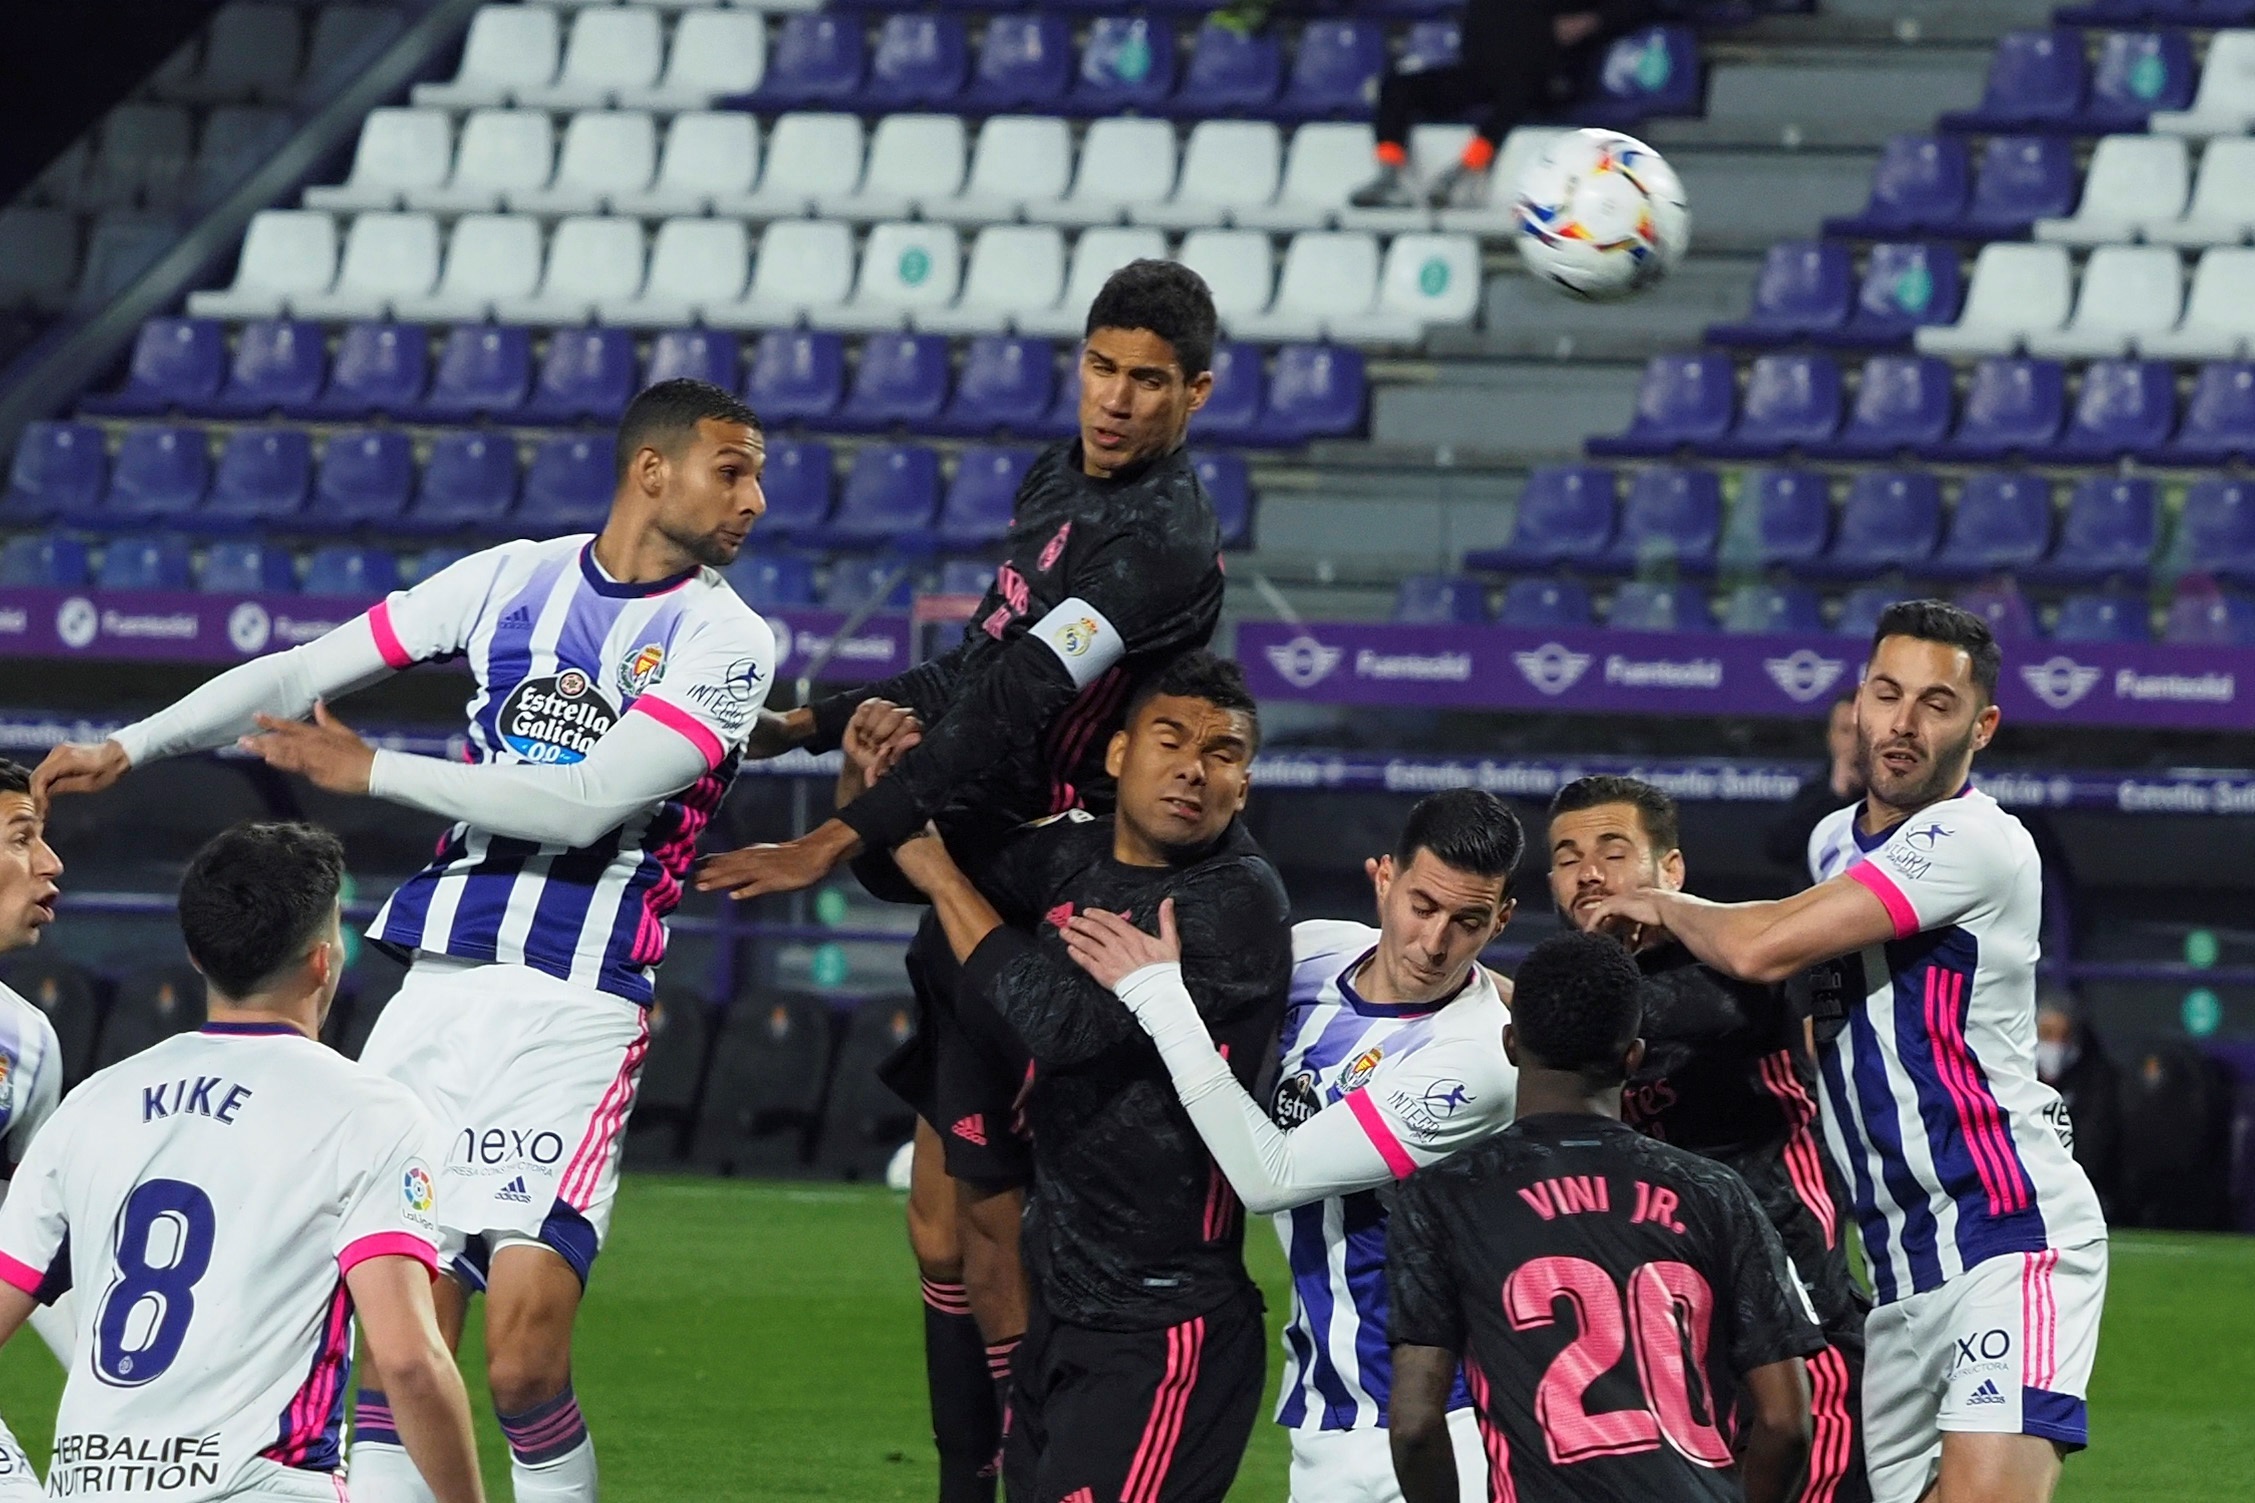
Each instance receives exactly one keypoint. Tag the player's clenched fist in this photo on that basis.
(880, 734)
(74, 767)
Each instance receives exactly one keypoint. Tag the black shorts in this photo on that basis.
(1835, 1470)
(1140, 1416)
(962, 1071)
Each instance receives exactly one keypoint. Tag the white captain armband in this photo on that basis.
(1084, 641)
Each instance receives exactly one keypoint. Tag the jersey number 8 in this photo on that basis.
(164, 1238)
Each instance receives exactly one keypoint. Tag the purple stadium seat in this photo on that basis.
(1670, 515)
(59, 467)
(2036, 78)
(921, 59)
(483, 370)
(365, 476)
(177, 365)
(2216, 532)
(1641, 605)
(264, 476)
(1229, 485)
(161, 472)
(245, 566)
(1792, 401)
(2111, 526)
(1654, 71)
(2012, 406)
(354, 573)
(1437, 43)
(279, 366)
(2022, 179)
(1804, 289)
(1335, 70)
(1128, 64)
(1544, 604)
(2003, 521)
(798, 375)
(1024, 61)
(2007, 611)
(568, 486)
(770, 581)
(2219, 417)
(2209, 617)
(1230, 73)
(1860, 608)
(1232, 412)
(1316, 391)
(699, 354)
(423, 563)
(1920, 181)
(143, 563)
(1566, 516)
(1440, 600)
(1891, 519)
(1685, 399)
(379, 367)
(982, 497)
(797, 482)
(892, 492)
(817, 60)
(2122, 12)
(1902, 404)
(2126, 407)
(1906, 286)
(586, 373)
(43, 561)
(1006, 386)
(1773, 610)
(2102, 618)
(1782, 517)
(902, 378)
(964, 576)
(469, 481)
(888, 583)
(2138, 72)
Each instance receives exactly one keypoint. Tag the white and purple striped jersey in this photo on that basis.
(31, 1073)
(1953, 1150)
(1423, 1081)
(207, 1197)
(561, 652)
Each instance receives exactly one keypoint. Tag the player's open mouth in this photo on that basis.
(1899, 759)
(1107, 438)
(1187, 808)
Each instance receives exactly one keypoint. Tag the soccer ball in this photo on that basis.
(1602, 215)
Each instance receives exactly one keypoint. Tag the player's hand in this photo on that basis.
(1629, 917)
(879, 735)
(324, 751)
(924, 860)
(1111, 949)
(74, 767)
(772, 734)
(759, 870)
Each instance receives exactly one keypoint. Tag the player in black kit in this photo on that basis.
(1728, 1074)
(1622, 1309)
(1142, 1365)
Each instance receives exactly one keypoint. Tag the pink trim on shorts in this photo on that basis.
(585, 1172)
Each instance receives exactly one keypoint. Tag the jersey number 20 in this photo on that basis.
(1665, 1312)
(164, 1238)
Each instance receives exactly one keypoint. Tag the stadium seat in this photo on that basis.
(1317, 391)
(161, 473)
(2209, 618)
(2003, 521)
(240, 566)
(914, 160)
(1670, 516)
(1323, 165)
(2132, 181)
(2219, 420)
(501, 153)
(797, 481)
(401, 152)
(2021, 179)
(699, 354)
(2222, 208)
(606, 154)
(42, 561)
(378, 367)
(278, 366)
(709, 156)
(1128, 63)
(905, 267)
(1433, 43)
(1684, 400)
(1428, 281)
(482, 370)
(568, 485)
(1238, 268)
(981, 497)
(1229, 485)
(1440, 600)
(1097, 254)
(2225, 102)
(2011, 407)
(1335, 70)
(1017, 160)
(1330, 282)
(1805, 287)
(1782, 516)
(122, 247)
(765, 1086)
(2101, 618)
(921, 59)
(583, 374)
(1025, 62)
(1772, 610)
(2036, 79)
(593, 262)
(2216, 531)
(797, 375)
(891, 495)
(804, 269)
(143, 563)
(1902, 403)
(1434, 147)
(468, 481)
(1890, 519)
(2005, 609)
(1641, 605)
(263, 477)
(965, 576)
(2128, 291)
(2017, 291)
(809, 156)
(422, 564)
(2138, 73)
(770, 581)
(1792, 401)
(1012, 268)
(1860, 608)
(1544, 605)
(1123, 162)
(345, 40)
(612, 48)
(1233, 408)
(714, 54)
(38, 256)
(1920, 183)
(236, 139)
(902, 378)
(177, 365)
(1650, 72)
(1226, 163)
(2126, 407)
(1230, 72)
(490, 258)
(342, 570)
(1565, 516)
(818, 61)
(859, 582)
(141, 155)
(251, 51)
(2219, 312)
(286, 253)
(2111, 527)
(365, 477)
(1006, 385)
(387, 257)
(695, 264)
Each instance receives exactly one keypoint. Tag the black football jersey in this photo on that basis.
(1607, 1293)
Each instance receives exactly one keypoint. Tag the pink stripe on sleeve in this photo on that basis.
(387, 1245)
(20, 1275)
(1882, 887)
(676, 718)
(1381, 1134)
(387, 638)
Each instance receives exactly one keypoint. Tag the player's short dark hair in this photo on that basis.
(1655, 808)
(1574, 1003)
(1950, 625)
(1465, 829)
(254, 898)
(1170, 300)
(14, 777)
(664, 417)
(1200, 674)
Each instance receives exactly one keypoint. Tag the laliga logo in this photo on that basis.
(1304, 662)
(1551, 668)
(1803, 675)
(2059, 682)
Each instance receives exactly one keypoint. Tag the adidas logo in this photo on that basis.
(1986, 1393)
(972, 1129)
(521, 616)
(514, 1190)
(1085, 1495)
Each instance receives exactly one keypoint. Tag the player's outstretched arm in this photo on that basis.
(1777, 1431)
(393, 1297)
(1417, 1421)
(1764, 942)
(16, 1306)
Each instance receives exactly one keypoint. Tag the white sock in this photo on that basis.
(382, 1473)
(569, 1478)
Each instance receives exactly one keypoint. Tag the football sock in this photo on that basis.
(1394, 154)
(551, 1455)
(381, 1470)
(966, 1424)
(999, 1354)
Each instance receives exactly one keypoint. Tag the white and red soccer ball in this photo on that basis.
(1602, 215)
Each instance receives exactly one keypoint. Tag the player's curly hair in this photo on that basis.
(255, 898)
(1655, 807)
(1950, 625)
(665, 417)
(1167, 298)
(1200, 674)
(1467, 829)
(1575, 1006)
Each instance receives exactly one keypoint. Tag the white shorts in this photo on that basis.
(2005, 1348)
(270, 1482)
(533, 1078)
(1357, 1466)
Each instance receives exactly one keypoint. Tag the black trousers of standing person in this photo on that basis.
(1510, 67)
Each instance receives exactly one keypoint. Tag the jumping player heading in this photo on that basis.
(1986, 1243)
(617, 676)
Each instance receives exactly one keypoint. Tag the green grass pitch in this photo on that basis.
(761, 1343)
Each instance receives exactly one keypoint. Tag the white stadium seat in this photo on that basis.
(709, 154)
(400, 151)
(2225, 105)
(1227, 163)
(713, 53)
(591, 261)
(1013, 269)
(612, 48)
(607, 154)
(1325, 163)
(2133, 181)
(1499, 215)
(2127, 291)
(2017, 290)
(1124, 161)
(1326, 273)
(286, 253)
(501, 152)
(694, 263)
(1239, 267)
(913, 160)
(1429, 281)
(904, 268)
(1096, 255)
(2219, 317)
(510, 48)
(804, 269)
(490, 258)
(809, 156)
(1433, 150)
(1018, 159)
(387, 255)
(2222, 211)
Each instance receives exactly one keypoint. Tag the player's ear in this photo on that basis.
(1511, 1043)
(1671, 871)
(1985, 727)
(1115, 755)
(1201, 387)
(1632, 1061)
(1503, 916)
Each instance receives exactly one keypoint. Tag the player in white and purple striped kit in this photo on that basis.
(617, 676)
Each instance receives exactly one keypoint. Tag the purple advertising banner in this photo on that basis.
(1698, 673)
(193, 628)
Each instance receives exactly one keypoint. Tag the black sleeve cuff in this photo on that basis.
(884, 815)
(982, 972)
(830, 717)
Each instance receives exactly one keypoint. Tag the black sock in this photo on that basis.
(966, 1425)
(999, 1354)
